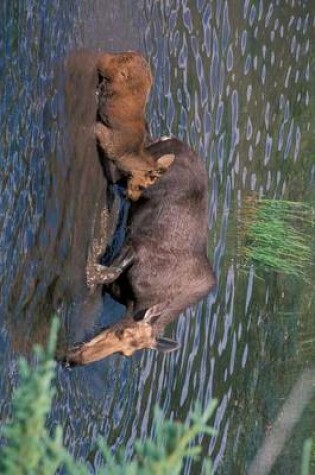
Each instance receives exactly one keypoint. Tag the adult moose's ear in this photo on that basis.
(164, 162)
(151, 316)
(166, 345)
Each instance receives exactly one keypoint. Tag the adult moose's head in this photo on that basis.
(125, 337)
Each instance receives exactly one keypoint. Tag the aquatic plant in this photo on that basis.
(275, 234)
(29, 447)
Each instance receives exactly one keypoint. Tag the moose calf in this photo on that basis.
(125, 82)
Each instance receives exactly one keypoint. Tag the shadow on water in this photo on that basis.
(232, 79)
(51, 277)
(52, 181)
(54, 187)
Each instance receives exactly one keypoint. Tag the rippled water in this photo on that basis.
(234, 80)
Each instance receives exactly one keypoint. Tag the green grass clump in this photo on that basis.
(275, 234)
(31, 449)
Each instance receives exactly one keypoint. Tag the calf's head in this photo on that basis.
(126, 74)
(139, 180)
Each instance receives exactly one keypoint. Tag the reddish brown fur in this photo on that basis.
(125, 84)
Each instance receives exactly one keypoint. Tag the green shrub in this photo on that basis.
(29, 447)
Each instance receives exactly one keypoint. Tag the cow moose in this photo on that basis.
(163, 267)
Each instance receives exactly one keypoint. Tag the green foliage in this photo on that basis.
(276, 235)
(30, 448)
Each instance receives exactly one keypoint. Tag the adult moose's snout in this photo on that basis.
(125, 337)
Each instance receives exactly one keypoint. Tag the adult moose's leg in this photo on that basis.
(98, 274)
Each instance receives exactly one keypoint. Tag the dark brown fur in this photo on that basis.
(163, 268)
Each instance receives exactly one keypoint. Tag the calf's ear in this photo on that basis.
(165, 161)
(166, 345)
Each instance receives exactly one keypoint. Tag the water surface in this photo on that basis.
(233, 79)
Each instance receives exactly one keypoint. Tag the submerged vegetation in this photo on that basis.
(30, 448)
(276, 235)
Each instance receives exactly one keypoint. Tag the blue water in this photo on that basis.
(233, 79)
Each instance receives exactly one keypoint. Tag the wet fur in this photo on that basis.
(125, 82)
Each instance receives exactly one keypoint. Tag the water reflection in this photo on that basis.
(232, 79)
